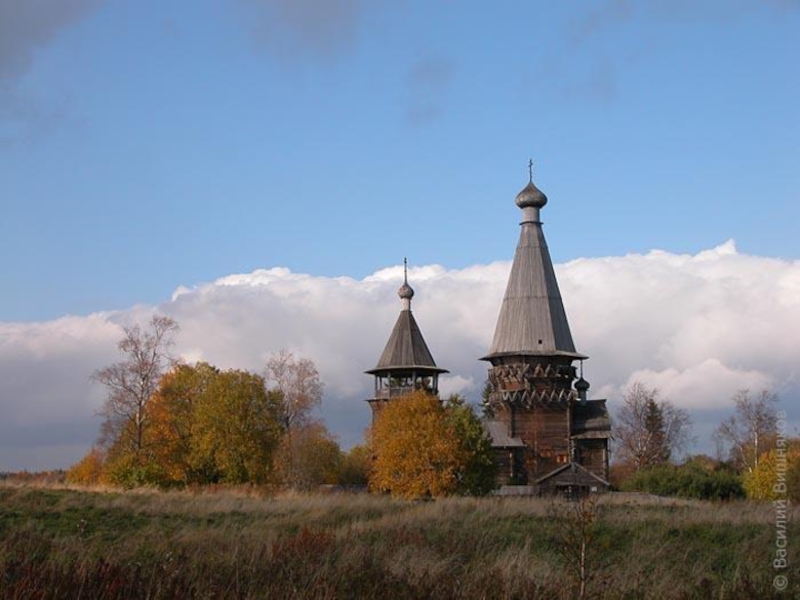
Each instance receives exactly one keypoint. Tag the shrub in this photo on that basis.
(690, 480)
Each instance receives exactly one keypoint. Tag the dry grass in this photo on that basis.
(256, 543)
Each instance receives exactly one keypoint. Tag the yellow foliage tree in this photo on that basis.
(88, 470)
(777, 474)
(418, 452)
(172, 419)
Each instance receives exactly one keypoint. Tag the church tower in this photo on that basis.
(406, 364)
(545, 431)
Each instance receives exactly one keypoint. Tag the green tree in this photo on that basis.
(654, 426)
(237, 429)
(694, 479)
(478, 473)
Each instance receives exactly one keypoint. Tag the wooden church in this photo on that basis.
(547, 436)
(546, 433)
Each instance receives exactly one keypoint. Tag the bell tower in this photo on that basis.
(406, 364)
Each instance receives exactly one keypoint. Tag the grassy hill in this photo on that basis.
(62, 543)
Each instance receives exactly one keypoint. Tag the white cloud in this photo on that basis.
(698, 326)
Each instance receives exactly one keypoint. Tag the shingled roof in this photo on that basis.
(406, 348)
(532, 319)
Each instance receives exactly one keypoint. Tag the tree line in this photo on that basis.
(167, 423)
(651, 433)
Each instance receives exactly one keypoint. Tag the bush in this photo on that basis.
(691, 480)
(88, 470)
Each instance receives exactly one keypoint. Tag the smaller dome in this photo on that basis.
(582, 385)
(531, 196)
(406, 292)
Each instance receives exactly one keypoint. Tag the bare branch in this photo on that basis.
(133, 380)
(650, 430)
(751, 430)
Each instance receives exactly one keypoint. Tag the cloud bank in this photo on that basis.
(699, 327)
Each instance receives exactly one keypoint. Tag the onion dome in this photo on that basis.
(406, 292)
(582, 386)
(531, 196)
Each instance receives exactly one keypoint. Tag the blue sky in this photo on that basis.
(145, 145)
(258, 169)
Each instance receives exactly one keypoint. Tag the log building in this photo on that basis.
(547, 436)
(546, 433)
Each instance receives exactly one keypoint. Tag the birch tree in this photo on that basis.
(298, 383)
(751, 430)
(131, 382)
(649, 430)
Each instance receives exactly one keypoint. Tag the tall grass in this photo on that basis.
(253, 543)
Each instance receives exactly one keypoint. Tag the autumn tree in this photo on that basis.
(88, 470)
(131, 382)
(296, 385)
(649, 430)
(777, 475)
(236, 429)
(356, 465)
(423, 447)
(173, 420)
(308, 458)
(751, 430)
(416, 447)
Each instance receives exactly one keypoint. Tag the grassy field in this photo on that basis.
(63, 543)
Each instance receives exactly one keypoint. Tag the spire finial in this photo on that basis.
(405, 292)
(530, 170)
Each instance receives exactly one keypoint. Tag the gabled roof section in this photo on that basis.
(576, 470)
(532, 319)
(406, 348)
